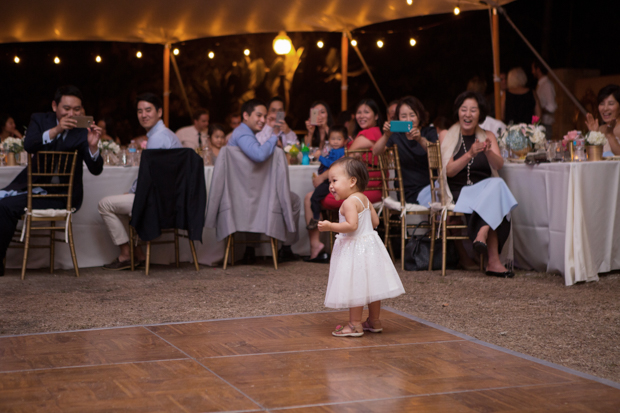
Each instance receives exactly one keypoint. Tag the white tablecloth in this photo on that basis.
(92, 241)
(568, 218)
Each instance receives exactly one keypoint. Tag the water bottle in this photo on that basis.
(133, 154)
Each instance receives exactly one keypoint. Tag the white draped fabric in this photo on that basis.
(568, 219)
(93, 244)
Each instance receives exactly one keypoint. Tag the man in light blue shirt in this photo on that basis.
(115, 209)
(253, 113)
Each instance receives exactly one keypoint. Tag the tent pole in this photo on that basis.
(166, 83)
(538, 56)
(374, 82)
(178, 73)
(345, 71)
(496, 69)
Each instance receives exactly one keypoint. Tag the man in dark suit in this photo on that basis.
(52, 131)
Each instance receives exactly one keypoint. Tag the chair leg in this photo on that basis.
(274, 252)
(72, 247)
(193, 248)
(131, 241)
(433, 235)
(176, 246)
(444, 247)
(26, 244)
(403, 238)
(228, 240)
(148, 257)
(52, 245)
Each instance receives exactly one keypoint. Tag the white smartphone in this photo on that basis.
(314, 116)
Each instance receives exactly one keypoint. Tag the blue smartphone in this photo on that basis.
(400, 126)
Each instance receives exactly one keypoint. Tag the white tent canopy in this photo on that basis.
(158, 21)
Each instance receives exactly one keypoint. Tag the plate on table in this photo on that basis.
(515, 160)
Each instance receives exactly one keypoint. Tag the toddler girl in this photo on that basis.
(217, 139)
(361, 271)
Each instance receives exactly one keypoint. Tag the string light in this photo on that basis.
(379, 44)
(57, 60)
(211, 55)
(246, 52)
(98, 59)
(176, 52)
(320, 44)
(16, 60)
(412, 42)
(139, 55)
(282, 44)
(353, 42)
(410, 2)
(457, 9)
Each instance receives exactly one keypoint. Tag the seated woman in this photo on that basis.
(108, 132)
(471, 159)
(7, 128)
(217, 139)
(367, 133)
(412, 146)
(519, 103)
(317, 134)
(609, 109)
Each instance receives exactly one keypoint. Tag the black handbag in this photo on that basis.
(418, 252)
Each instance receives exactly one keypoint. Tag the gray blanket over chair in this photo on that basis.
(246, 196)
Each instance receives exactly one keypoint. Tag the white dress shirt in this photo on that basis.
(188, 136)
(286, 138)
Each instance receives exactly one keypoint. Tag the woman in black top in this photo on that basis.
(412, 146)
(519, 103)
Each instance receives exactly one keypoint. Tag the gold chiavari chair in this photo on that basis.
(57, 171)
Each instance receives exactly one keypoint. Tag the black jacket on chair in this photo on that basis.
(76, 139)
(171, 193)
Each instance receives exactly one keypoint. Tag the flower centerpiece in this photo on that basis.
(14, 146)
(595, 141)
(520, 138)
(292, 153)
(108, 150)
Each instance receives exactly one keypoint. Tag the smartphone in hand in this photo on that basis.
(280, 116)
(84, 121)
(400, 126)
(314, 116)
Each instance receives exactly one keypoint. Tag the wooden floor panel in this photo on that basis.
(279, 380)
(584, 396)
(285, 364)
(83, 348)
(288, 333)
(165, 386)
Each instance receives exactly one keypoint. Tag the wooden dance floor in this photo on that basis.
(287, 363)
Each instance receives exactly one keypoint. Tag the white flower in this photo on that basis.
(596, 138)
(14, 145)
(538, 135)
(109, 146)
(287, 148)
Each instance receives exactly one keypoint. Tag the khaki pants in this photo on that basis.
(115, 211)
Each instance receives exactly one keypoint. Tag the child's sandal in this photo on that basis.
(339, 332)
(369, 327)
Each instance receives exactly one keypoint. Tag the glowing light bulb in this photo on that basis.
(139, 55)
(457, 11)
(282, 44)
(353, 42)
(379, 44)
(412, 42)
(410, 2)
(246, 52)
(98, 59)
(211, 55)
(16, 60)
(57, 60)
(176, 52)
(320, 44)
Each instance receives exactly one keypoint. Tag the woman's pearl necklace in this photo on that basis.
(469, 164)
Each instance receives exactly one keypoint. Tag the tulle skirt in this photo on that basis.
(361, 272)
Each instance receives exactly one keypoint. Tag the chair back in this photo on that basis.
(435, 171)
(373, 166)
(54, 172)
(389, 161)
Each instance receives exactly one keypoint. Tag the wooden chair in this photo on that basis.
(395, 212)
(230, 249)
(59, 167)
(442, 211)
(133, 237)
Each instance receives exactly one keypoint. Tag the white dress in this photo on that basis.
(361, 270)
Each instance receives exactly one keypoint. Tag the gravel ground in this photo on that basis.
(534, 313)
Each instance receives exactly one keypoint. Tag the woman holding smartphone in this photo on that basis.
(318, 126)
(412, 146)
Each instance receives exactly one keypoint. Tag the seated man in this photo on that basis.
(115, 209)
(253, 113)
(51, 131)
(196, 135)
(285, 135)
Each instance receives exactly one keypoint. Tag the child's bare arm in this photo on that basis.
(350, 225)
(374, 217)
(319, 179)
